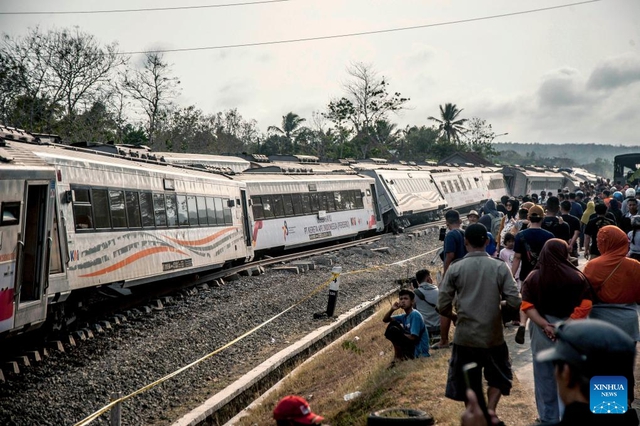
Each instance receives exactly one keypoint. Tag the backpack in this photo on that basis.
(496, 221)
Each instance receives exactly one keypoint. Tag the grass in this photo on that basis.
(360, 363)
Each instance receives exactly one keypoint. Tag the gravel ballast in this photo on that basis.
(66, 387)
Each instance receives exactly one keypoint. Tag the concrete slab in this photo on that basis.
(291, 269)
(57, 345)
(12, 367)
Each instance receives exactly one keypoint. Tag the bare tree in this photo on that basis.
(62, 70)
(366, 103)
(154, 88)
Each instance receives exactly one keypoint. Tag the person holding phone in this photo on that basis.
(479, 283)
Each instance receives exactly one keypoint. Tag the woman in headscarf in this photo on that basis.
(591, 209)
(554, 291)
(509, 220)
(615, 279)
(614, 209)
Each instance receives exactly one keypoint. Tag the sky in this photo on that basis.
(568, 75)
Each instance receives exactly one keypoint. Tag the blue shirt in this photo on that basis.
(576, 209)
(414, 325)
(454, 243)
(491, 247)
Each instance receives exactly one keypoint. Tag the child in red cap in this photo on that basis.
(293, 410)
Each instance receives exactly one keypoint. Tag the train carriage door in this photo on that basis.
(376, 206)
(34, 245)
(245, 218)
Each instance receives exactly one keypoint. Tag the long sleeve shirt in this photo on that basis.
(479, 283)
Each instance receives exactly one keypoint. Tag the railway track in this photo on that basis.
(22, 350)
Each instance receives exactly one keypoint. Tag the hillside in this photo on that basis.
(580, 153)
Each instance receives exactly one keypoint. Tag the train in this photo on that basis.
(80, 219)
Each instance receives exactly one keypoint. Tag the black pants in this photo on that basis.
(395, 333)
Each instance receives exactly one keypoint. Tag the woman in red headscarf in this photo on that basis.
(615, 279)
(554, 291)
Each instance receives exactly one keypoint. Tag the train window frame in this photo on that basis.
(211, 211)
(123, 214)
(256, 207)
(159, 222)
(443, 184)
(193, 212)
(183, 213)
(288, 205)
(12, 211)
(313, 202)
(202, 210)
(331, 201)
(462, 183)
(226, 211)
(104, 208)
(359, 199)
(267, 206)
(135, 204)
(306, 204)
(218, 202)
(174, 199)
(339, 201)
(148, 219)
(278, 205)
(296, 200)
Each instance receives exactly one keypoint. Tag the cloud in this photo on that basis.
(615, 72)
(562, 88)
(419, 54)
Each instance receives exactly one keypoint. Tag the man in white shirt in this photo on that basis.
(426, 300)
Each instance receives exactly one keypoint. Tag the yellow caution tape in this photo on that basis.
(145, 388)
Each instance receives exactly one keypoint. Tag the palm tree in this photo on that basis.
(291, 126)
(449, 126)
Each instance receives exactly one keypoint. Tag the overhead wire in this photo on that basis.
(361, 33)
(150, 9)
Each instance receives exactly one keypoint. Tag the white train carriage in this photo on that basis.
(529, 180)
(124, 223)
(494, 182)
(294, 210)
(27, 194)
(462, 187)
(406, 195)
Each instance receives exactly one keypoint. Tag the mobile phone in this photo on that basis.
(479, 393)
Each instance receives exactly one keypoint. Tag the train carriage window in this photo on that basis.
(278, 206)
(306, 204)
(55, 261)
(443, 185)
(349, 199)
(462, 183)
(267, 207)
(450, 186)
(100, 204)
(322, 201)
(10, 213)
(183, 211)
(81, 195)
(288, 205)
(457, 185)
(172, 209)
(256, 205)
(193, 210)
(133, 209)
(159, 210)
(340, 201)
(314, 202)
(331, 201)
(118, 213)
(298, 208)
(359, 201)
(211, 210)
(219, 211)
(82, 214)
(228, 217)
(202, 211)
(146, 209)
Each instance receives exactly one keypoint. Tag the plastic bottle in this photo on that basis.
(352, 395)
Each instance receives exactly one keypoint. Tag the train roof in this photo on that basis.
(280, 177)
(13, 153)
(69, 155)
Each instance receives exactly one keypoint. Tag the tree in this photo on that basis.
(62, 70)
(292, 130)
(449, 124)
(479, 137)
(367, 102)
(154, 88)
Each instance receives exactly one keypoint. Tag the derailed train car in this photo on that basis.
(407, 195)
(528, 180)
(27, 186)
(301, 208)
(115, 222)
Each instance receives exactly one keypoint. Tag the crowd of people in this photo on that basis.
(513, 263)
(516, 262)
